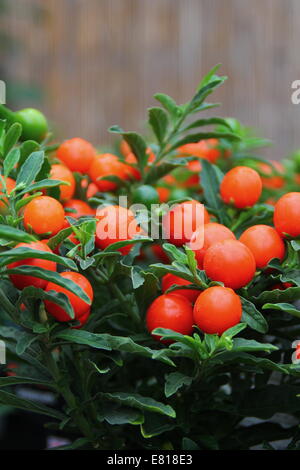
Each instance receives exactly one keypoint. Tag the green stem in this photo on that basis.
(68, 396)
(6, 113)
(123, 301)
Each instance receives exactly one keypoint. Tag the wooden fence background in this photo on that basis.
(93, 63)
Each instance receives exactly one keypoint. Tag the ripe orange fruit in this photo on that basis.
(163, 193)
(230, 262)
(207, 149)
(61, 172)
(241, 186)
(81, 208)
(104, 165)
(115, 224)
(79, 306)
(172, 312)
(213, 233)
(43, 215)
(287, 215)
(182, 220)
(77, 154)
(271, 180)
(217, 309)
(170, 280)
(264, 243)
(20, 281)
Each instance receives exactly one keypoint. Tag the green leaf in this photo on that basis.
(277, 295)
(24, 342)
(158, 120)
(142, 403)
(10, 381)
(12, 137)
(30, 169)
(136, 143)
(116, 415)
(54, 277)
(156, 424)
(169, 104)
(43, 184)
(242, 344)
(27, 148)
(174, 381)
(23, 253)
(108, 342)
(211, 178)
(28, 405)
(11, 160)
(207, 122)
(283, 307)
(14, 234)
(157, 172)
(253, 317)
(59, 298)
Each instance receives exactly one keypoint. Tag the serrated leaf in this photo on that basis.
(142, 403)
(283, 307)
(174, 381)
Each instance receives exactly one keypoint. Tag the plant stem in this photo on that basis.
(68, 396)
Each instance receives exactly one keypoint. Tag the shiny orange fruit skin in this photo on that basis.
(10, 185)
(170, 280)
(182, 220)
(81, 208)
(44, 214)
(272, 181)
(77, 154)
(125, 148)
(206, 149)
(217, 309)
(163, 193)
(287, 215)
(172, 312)
(264, 243)
(230, 262)
(107, 164)
(20, 281)
(91, 190)
(122, 224)
(213, 233)
(79, 306)
(61, 172)
(241, 186)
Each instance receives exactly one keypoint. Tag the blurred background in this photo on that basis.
(89, 64)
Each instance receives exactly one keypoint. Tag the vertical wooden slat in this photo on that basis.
(98, 62)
